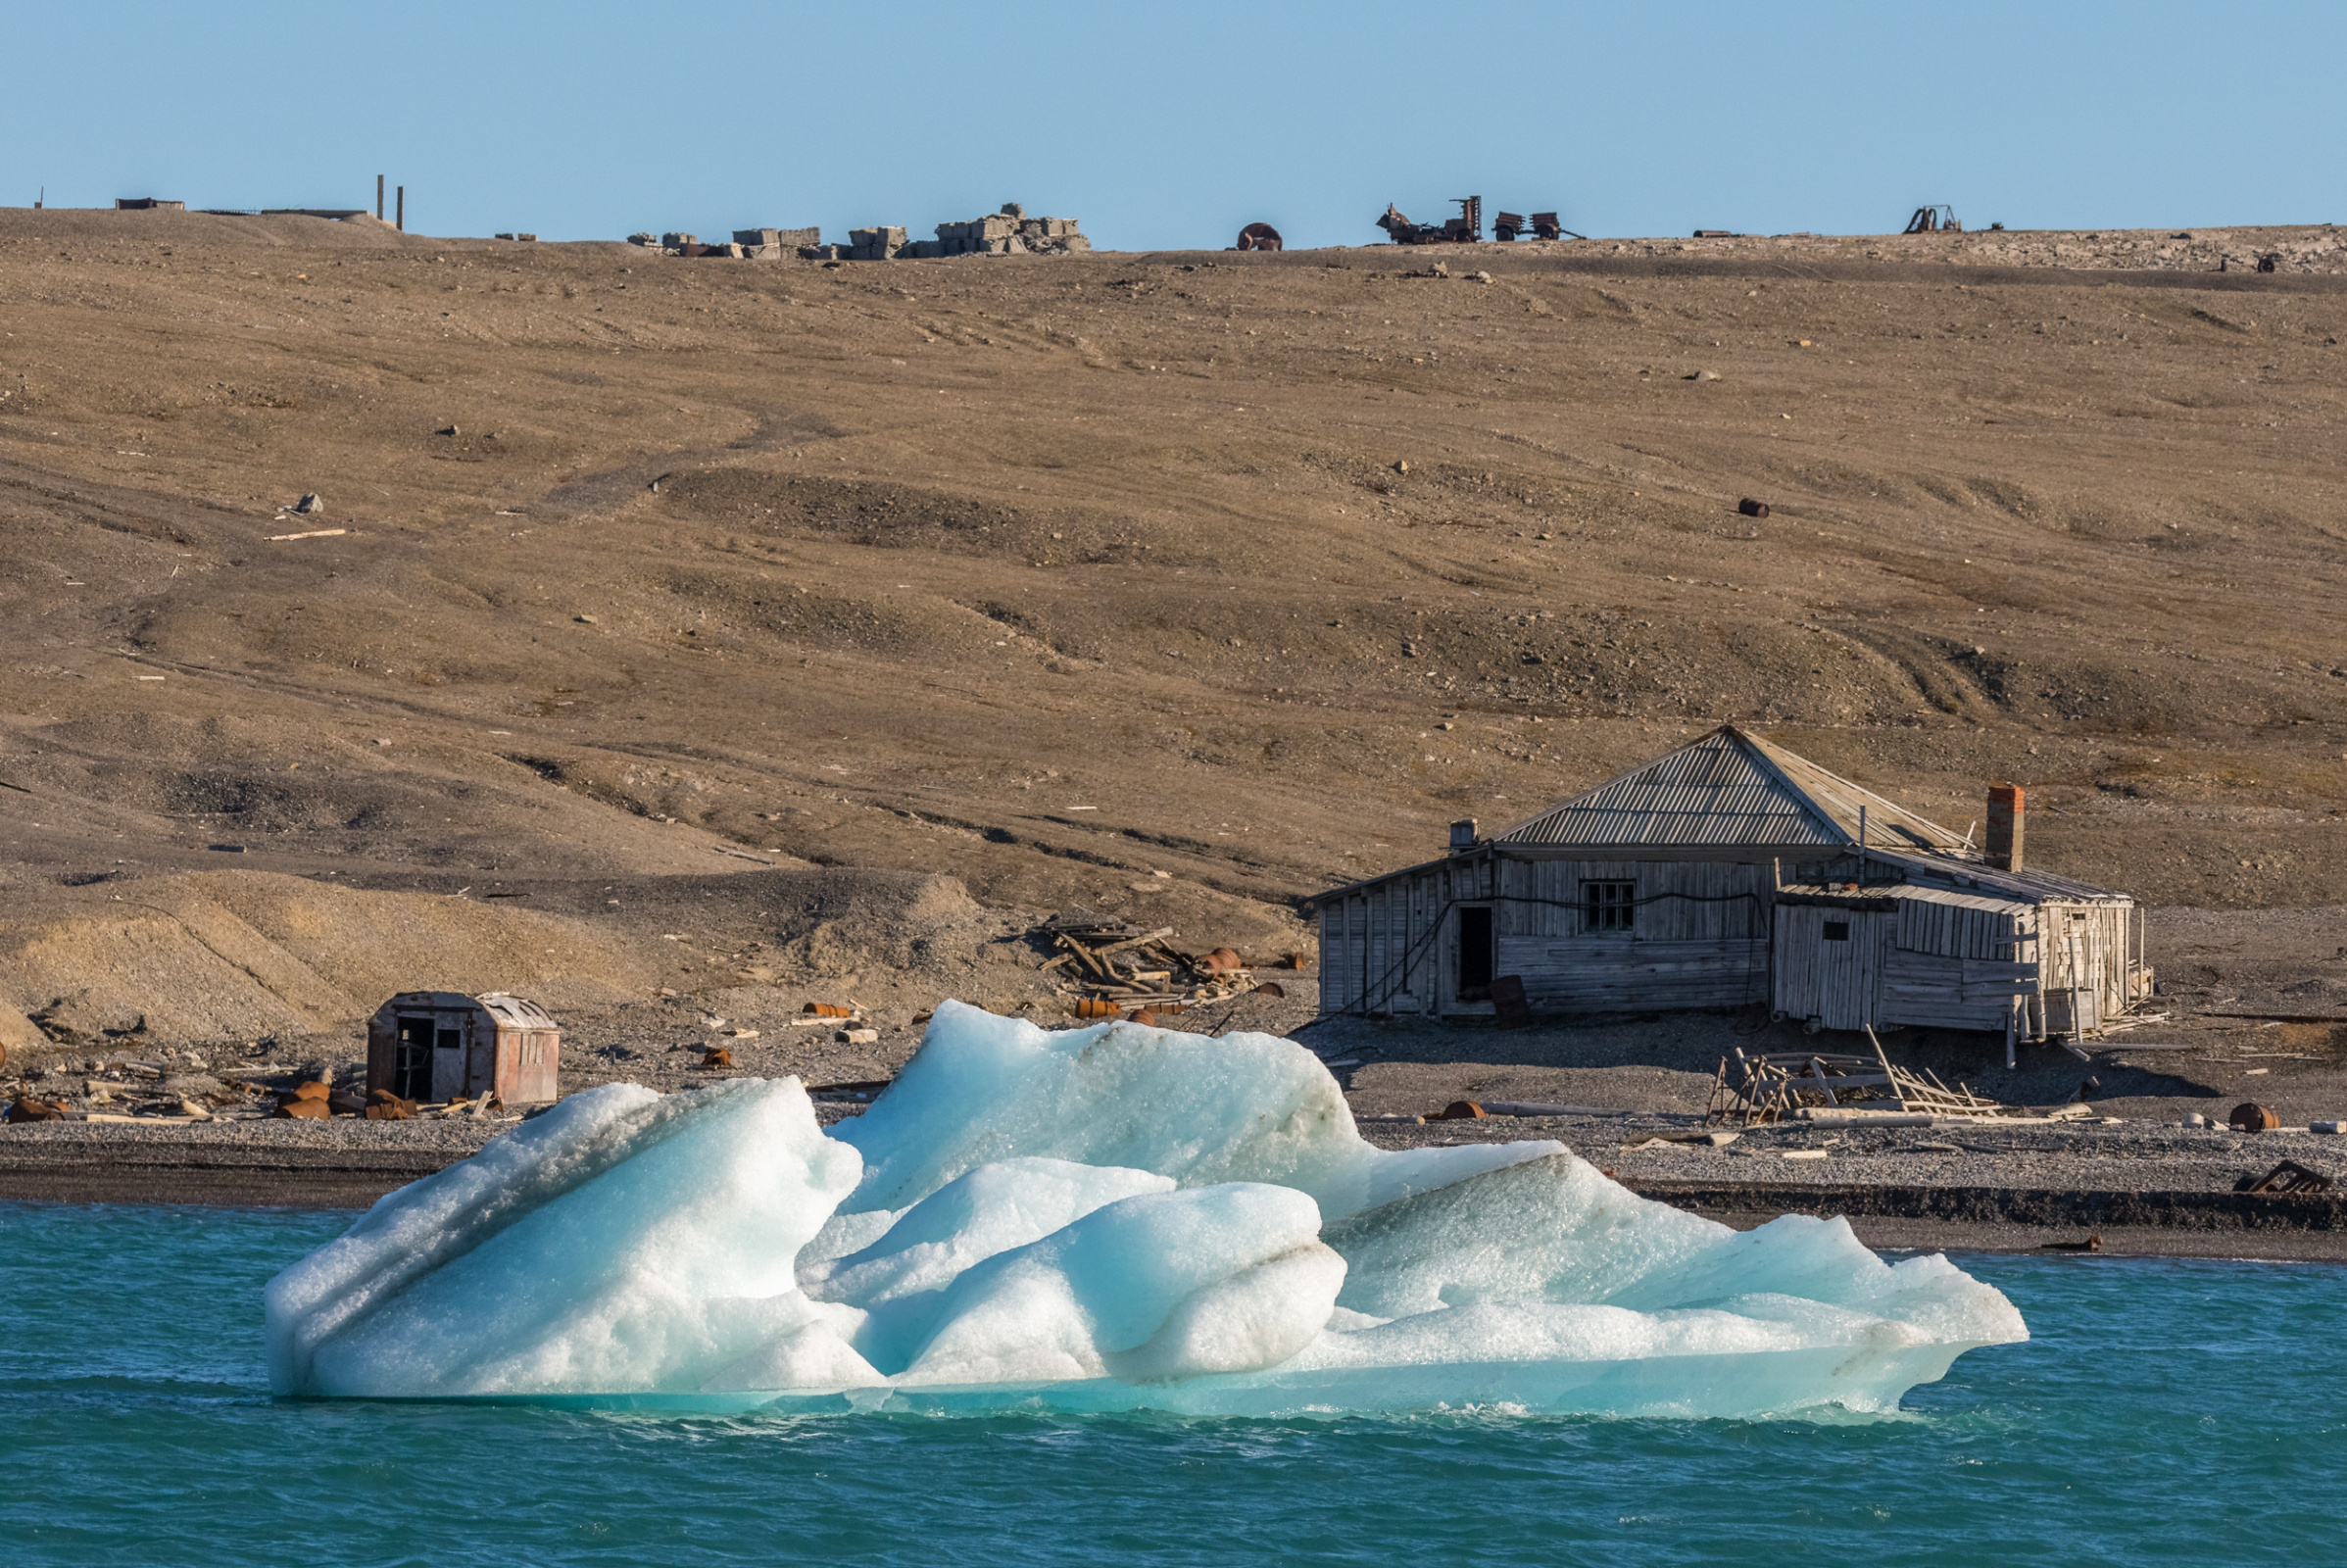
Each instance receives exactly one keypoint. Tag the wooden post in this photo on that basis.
(402, 209)
(379, 198)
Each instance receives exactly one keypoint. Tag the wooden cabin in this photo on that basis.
(439, 1045)
(1729, 873)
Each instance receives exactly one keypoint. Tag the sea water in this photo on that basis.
(2162, 1411)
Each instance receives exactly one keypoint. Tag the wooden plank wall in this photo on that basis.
(1378, 943)
(1956, 931)
(1937, 963)
(1798, 992)
(1548, 895)
(1615, 976)
(1680, 952)
(1382, 943)
(1837, 983)
(2092, 954)
(1931, 989)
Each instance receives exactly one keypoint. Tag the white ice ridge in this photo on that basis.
(1103, 1218)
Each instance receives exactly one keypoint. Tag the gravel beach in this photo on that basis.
(2142, 1188)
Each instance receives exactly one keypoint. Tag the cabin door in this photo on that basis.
(1850, 951)
(450, 1074)
(412, 1060)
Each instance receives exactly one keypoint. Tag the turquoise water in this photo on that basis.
(2163, 1412)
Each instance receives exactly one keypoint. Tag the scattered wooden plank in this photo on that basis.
(1136, 942)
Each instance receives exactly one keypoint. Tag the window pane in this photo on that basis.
(1607, 905)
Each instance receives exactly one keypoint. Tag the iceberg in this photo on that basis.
(1107, 1218)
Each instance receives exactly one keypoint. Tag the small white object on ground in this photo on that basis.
(1803, 1153)
(1825, 1117)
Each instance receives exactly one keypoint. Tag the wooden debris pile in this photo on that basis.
(130, 1092)
(2287, 1177)
(1109, 968)
(1771, 1086)
(846, 1021)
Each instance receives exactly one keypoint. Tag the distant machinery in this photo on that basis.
(1467, 228)
(1932, 218)
(1543, 225)
(1259, 237)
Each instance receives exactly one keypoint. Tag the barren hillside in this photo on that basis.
(1178, 586)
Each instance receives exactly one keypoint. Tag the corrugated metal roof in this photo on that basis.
(1727, 788)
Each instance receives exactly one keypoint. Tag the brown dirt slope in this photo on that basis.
(1054, 575)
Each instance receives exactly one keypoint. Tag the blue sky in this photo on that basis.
(1172, 124)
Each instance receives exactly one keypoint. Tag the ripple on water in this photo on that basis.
(2163, 1411)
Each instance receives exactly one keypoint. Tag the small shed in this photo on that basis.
(1729, 873)
(440, 1046)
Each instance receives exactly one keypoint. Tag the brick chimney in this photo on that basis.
(2004, 826)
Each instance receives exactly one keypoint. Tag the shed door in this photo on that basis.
(448, 1063)
(1850, 948)
(411, 1058)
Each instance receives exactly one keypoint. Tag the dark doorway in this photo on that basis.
(1474, 954)
(412, 1060)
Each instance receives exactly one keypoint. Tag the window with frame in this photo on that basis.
(1607, 906)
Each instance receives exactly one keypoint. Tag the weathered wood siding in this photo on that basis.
(1379, 949)
(1833, 982)
(1567, 976)
(1678, 901)
(1708, 933)
(1394, 946)
(2087, 947)
(1957, 931)
(1935, 991)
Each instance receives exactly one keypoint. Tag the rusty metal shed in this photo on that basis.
(438, 1046)
(1728, 872)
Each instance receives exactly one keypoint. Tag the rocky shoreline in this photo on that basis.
(2142, 1189)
